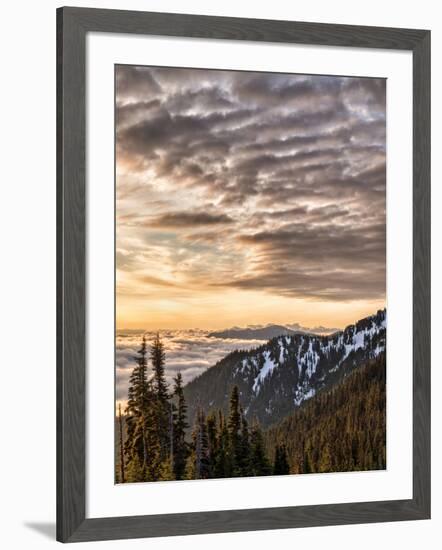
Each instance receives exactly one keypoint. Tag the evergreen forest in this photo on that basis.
(339, 429)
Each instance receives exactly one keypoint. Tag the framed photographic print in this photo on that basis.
(243, 215)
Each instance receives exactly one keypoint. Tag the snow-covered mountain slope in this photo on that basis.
(279, 376)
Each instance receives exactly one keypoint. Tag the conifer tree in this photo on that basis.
(259, 463)
(120, 426)
(222, 461)
(134, 470)
(180, 447)
(165, 471)
(306, 462)
(325, 464)
(213, 440)
(281, 465)
(142, 445)
(138, 397)
(244, 456)
(158, 360)
(234, 427)
(202, 447)
(198, 465)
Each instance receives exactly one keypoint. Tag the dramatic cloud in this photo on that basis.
(189, 219)
(267, 184)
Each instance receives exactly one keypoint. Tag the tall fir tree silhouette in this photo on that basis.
(138, 397)
(158, 360)
(198, 466)
(234, 426)
(180, 447)
(259, 463)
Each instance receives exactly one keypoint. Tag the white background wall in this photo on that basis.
(27, 273)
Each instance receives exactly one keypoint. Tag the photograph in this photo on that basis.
(250, 274)
(212, 213)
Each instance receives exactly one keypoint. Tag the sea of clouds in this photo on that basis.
(190, 352)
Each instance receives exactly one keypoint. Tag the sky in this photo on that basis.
(248, 198)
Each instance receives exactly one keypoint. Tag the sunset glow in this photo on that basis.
(248, 198)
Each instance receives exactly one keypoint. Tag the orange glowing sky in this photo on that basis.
(248, 198)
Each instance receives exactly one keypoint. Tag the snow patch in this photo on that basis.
(281, 353)
(310, 359)
(267, 369)
(303, 394)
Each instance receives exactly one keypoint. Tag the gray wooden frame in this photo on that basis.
(72, 26)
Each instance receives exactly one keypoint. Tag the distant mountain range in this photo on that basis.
(277, 377)
(262, 333)
(268, 332)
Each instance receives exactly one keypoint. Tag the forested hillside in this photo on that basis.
(339, 430)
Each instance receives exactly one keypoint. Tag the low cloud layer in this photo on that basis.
(190, 352)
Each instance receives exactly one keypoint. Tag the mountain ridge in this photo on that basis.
(277, 377)
(269, 331)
